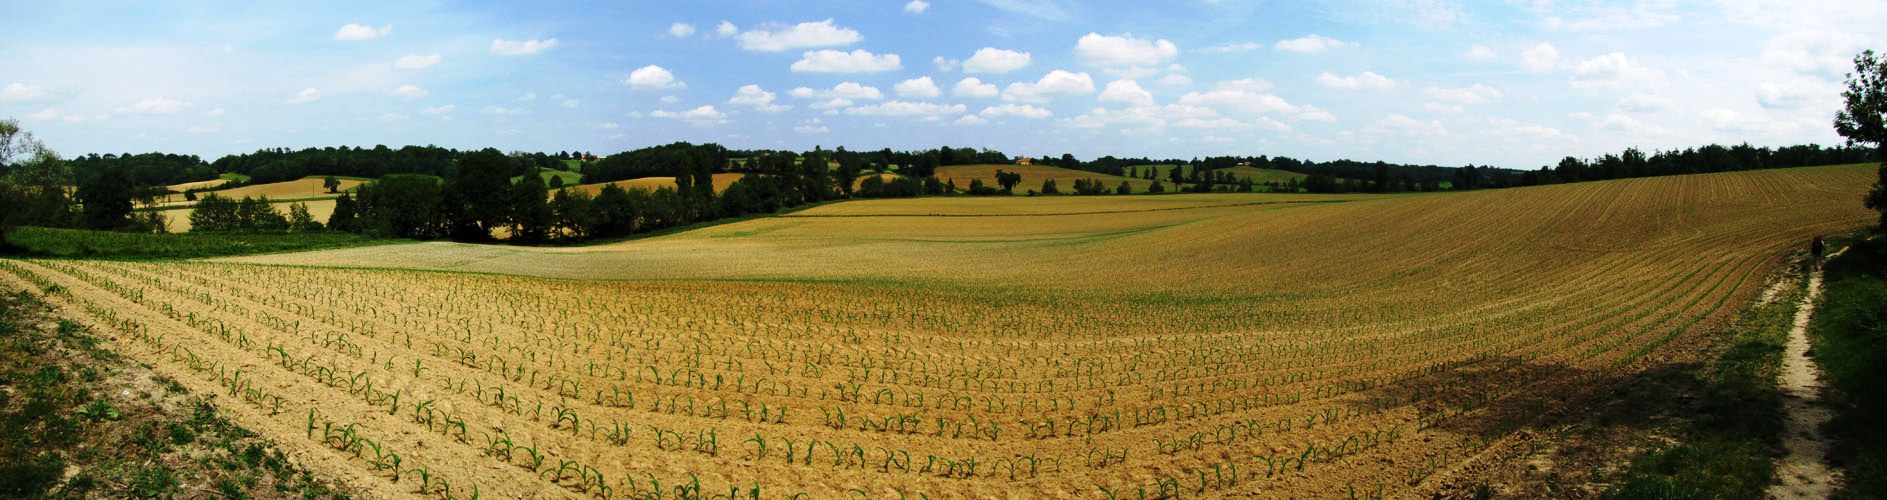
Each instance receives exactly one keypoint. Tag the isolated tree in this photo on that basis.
(1124, 188)
(1864, 119)
(556, 182)
(530, 213)
(1048, 187)
(331, 183)
(300, 221)
(105, 200)
(1156, 187)
(343, 217)
(1008, 180)
(256, 214)
(570, 214)
(32, 181)
(480, 194)
(847, 175)
(214, 213)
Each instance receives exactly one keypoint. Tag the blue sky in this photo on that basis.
(1516, 84)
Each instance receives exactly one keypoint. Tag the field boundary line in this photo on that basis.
(1060, 214)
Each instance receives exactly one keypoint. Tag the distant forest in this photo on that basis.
(433, 192)
(1351, 175)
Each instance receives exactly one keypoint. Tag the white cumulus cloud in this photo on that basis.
(916, 7)
(1311, 44)
(1247, 95)
(653, 77)
(813, 126)
(1121, 50)
(681, 30)
(803, 35)
(900, 108)
(437, 110)
(1232, 47)
(1055, 83)
(1367, 80)
(844, 90)
(702, 116)
(1480, 53)
(505, 47)
(1612, 70)
(155, 106)
(23, 92)
(973, 87)
(726, 29)
(856, 61)
(921, 86)
(994, 60)
(416, 61)
(753, 96)
(1126, 91)
(410, 91)
(1020, 110)
(306, 95)
(1472, 94)
(356, 32)
(1542, 57)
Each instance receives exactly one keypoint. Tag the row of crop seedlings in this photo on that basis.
(362, 385)
(563, 414)
(349, 439)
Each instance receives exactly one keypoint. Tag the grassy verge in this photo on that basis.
(81, 422)
(46, 242)
(1849, 333)
(1728, 447)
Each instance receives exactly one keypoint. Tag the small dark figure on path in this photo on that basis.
(1815, 249)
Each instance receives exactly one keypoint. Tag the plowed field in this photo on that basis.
(1212, 345)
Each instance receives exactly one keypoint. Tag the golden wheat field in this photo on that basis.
(1033, 176)
(1226, 345)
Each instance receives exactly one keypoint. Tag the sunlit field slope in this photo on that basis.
(1209, 345)
(1033, 177)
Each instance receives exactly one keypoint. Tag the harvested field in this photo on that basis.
(306, 187)
(1034, 175)
(886, 176)
(1211, 345)
(177, 219)
(197, 185)
(721, 181)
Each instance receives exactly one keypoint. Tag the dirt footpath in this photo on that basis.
(1804, 473)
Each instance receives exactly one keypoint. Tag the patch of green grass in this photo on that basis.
(1728, 449)
(1849, 335)
(74, 243)
(121, 445)
(234, 177)
(569, 178)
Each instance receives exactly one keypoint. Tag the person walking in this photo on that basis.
(1815, 249)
